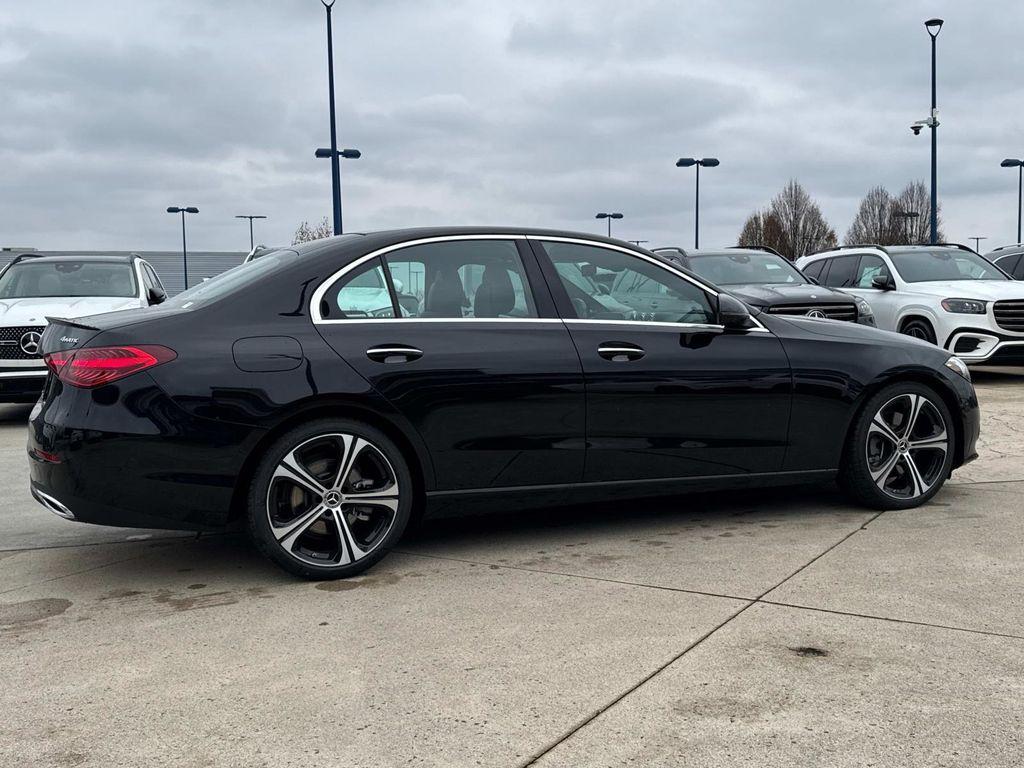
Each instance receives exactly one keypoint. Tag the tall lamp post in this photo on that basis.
(977, 242)
(609, 216)
(934, 26)
(184, 249)
(906, 216)
(706, 162)
(1019, 165)
(335, 155)
(333, 152)
(252, 243)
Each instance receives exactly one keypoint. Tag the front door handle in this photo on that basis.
(620, 351)
(394, 353)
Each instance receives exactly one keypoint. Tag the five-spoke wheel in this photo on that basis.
(900, 449)
(329, 499)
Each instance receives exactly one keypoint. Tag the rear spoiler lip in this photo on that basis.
(72, 323)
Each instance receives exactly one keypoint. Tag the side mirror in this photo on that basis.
(733, 314)
(883, 283)
(156, 296)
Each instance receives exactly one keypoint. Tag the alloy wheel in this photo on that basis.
(332, 500)
(907, 443)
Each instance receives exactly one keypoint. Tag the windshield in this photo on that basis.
(32, 279)
(919, 266)
(745, 269)
(236, 279)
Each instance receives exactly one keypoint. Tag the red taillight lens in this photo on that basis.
(96, 366)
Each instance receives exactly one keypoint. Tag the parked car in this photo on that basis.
(765, 279)
(33, 287)
(1010, 259)
(268, 396)
(944, 294)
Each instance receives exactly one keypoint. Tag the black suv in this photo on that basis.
(765, 279)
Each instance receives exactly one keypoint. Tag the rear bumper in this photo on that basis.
(140, 463)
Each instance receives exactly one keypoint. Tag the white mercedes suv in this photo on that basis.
(34, 287)
(945, 294)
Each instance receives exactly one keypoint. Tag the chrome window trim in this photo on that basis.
(654, 324)
(324, 287)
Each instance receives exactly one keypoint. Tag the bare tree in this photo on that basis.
(793, 224)
(875, 222)
(915, 198)
(306, 233)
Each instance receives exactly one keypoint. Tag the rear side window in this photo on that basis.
(842, 272)
(814, 270)
(363, 293)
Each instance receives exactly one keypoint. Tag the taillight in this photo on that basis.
(96, 366)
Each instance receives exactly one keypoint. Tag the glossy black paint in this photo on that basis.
(522, 412)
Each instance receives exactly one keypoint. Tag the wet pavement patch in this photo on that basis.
(808, 650)
(30, 611)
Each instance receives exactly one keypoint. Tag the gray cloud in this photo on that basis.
(482, 112)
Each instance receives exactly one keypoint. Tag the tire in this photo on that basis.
(329, 499)
(919, 329)
(881, 467)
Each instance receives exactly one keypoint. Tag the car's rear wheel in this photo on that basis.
(900, 450)
(329, 499)
(919, 329)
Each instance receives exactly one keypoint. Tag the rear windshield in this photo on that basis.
(32, 279)
(237, 279)
(920, 266)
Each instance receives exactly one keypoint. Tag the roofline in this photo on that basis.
(885, 249)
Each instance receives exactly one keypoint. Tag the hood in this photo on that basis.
(33, 311)
(853, 331)
(985, 290)
(785, 293)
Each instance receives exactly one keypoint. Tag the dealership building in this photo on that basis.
(168, 264)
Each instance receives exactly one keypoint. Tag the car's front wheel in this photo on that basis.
(329, 499)
(900, 449)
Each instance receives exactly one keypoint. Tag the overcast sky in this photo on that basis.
(534, 112)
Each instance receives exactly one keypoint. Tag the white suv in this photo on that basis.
(33, 288)
(945, 294)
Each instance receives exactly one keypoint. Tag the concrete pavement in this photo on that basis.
(769, 628)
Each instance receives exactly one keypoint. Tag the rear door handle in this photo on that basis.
(620, 351)
(394, 353)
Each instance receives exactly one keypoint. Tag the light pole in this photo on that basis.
(1019, 165)
(906, 216)
(609, 216)
(706, 162)
(977, 242)
(638, 243)
(333, 152)
(252, 244)
(184, 249)
(335, 155)
(936, 25)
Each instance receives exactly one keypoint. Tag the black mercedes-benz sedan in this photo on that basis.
(326, 395)
(765, 279)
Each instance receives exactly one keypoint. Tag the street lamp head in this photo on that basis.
(350, 154)
(191, 209)
(685, 162)
(614, 215)
(709, 162)
(601, 216)
(933, 24)
(246, 216)
(1011, 162)
(323, 152)
(173, 209)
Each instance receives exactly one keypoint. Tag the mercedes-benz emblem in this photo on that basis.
(817, 313)
(29, 343)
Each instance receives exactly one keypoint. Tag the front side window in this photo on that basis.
(461, 279)
(603, 284)
(919, 266)
(871, 266)
(33, 279)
